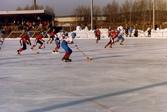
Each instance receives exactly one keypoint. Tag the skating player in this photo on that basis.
(25, 39)
(57, 42)
(112, 35)
(1, 38)
(120, 35)
(97, 35)
(39, 40)
(59, 36)
(67, 40)
(52, 36)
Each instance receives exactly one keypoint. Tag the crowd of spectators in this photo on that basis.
(25, 25)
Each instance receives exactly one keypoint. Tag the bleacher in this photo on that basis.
(34, 31)
(12, 20)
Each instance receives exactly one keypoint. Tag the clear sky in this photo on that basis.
(61, 7)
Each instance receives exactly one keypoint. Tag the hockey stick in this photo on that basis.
(35, 50)
(44, 44)
(88, 58)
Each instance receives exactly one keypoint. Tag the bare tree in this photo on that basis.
(50, 9)
(111, 11)
(160, 10)
(134, 14)
(27, 7)
(96, 14)
(142, 6)
(125, 11)
(83, 15)
(19, 8)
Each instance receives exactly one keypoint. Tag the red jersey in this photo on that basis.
(25, 38)
(97, 32)
(39, 37)
(52, 33)
(114, 34)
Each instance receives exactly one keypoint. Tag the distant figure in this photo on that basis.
(136, 33)
(149, 32)
(130, 32)
(127, 31)
(113, 34)
(39, 40)
(52, 36)
(97, 34)
(120, 35)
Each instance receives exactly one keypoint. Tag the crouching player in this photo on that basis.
(39, 40)
(65, 41)
(25, 39)
(112, 35)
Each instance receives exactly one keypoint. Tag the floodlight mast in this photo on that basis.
(91, 14)
(153, 15)
(35, 4)
(130, 12)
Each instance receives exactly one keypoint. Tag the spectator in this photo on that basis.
(6, 30)
(136, 33)
(126, 31)
(149, 32)
(97, 33)
(130, 32)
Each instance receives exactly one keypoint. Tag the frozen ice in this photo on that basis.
(128, 78)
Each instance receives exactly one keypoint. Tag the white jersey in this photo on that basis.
(68, 39)
(60, 35)
(121, 33)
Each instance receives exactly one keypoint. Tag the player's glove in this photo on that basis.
(57, 41)
(76, 46)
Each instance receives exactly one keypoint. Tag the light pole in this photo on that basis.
(153, 15)
(130, 12)
(35, 4)
(76, 17)
(91, 14)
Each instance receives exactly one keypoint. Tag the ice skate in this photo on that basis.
(69, 60)
(31, 49)
(66, 60)
(55, 52)
(18, 52)
(121, 44)
(63, 59)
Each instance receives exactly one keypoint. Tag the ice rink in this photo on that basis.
(128, 78)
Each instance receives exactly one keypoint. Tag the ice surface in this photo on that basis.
(128, 78)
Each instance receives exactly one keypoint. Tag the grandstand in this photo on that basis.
(14, 22)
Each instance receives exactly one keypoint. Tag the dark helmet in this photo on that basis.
(66, 34)
(29, 33)
(42, 33)
(73, 34)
